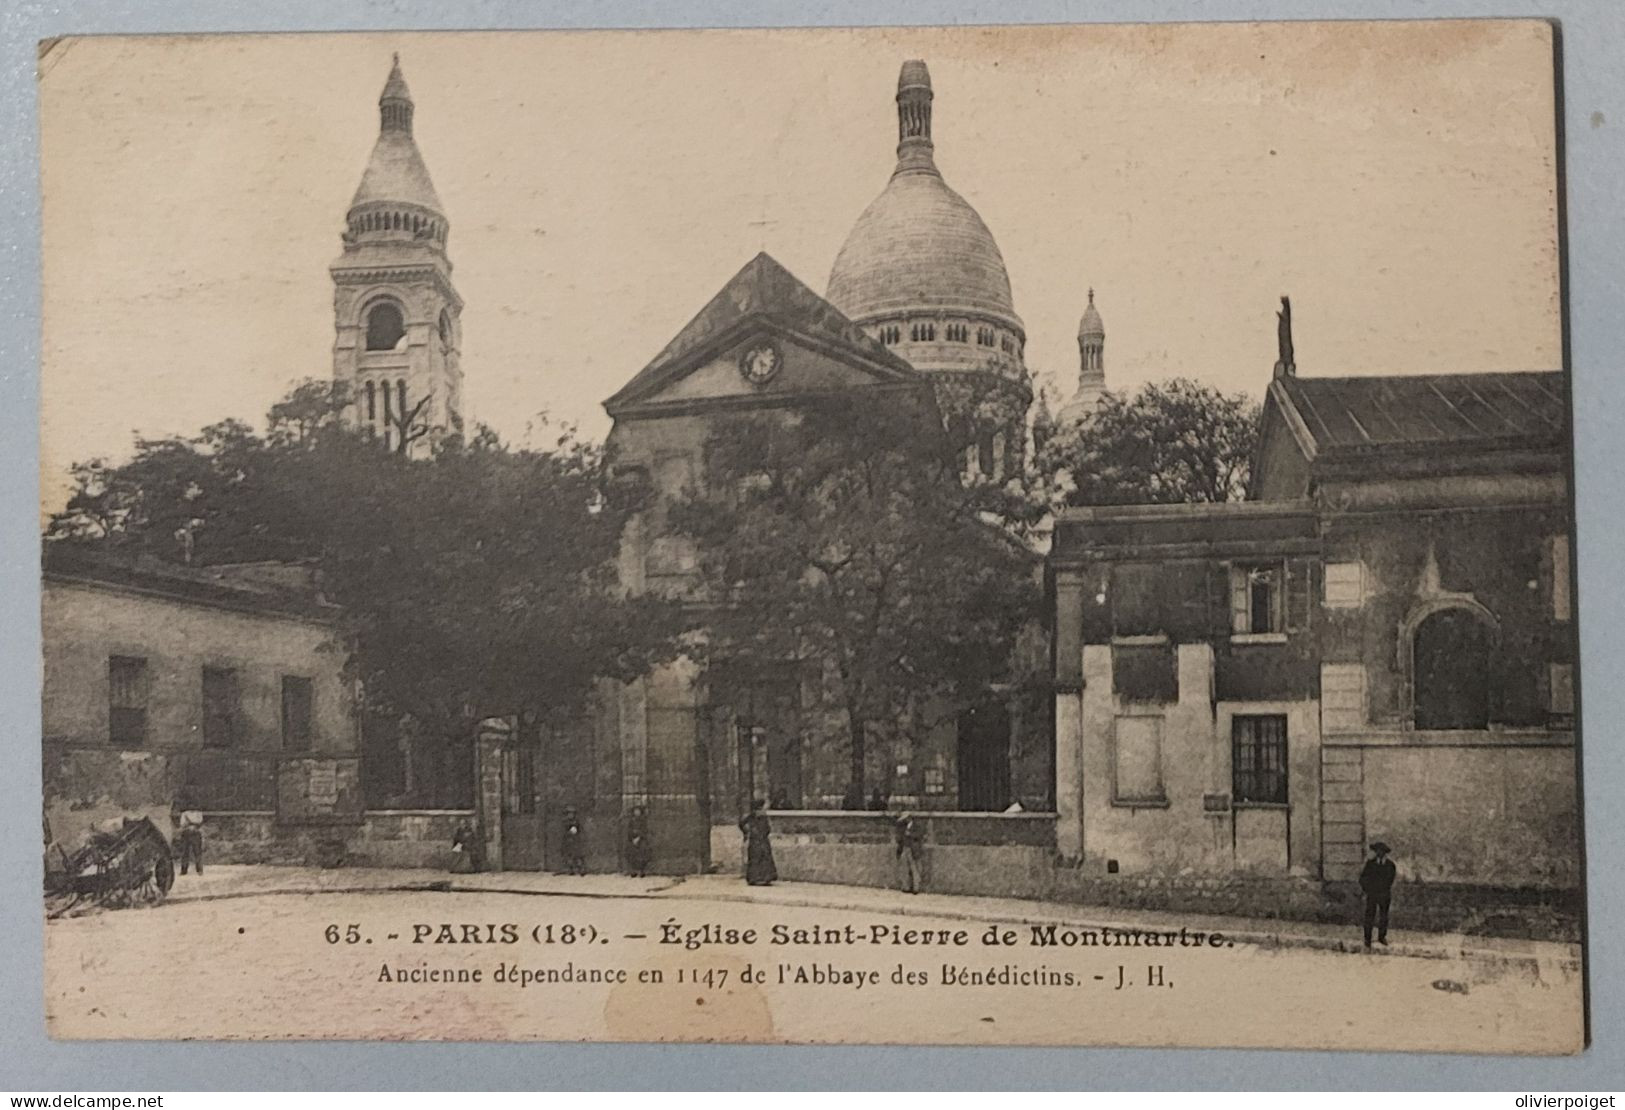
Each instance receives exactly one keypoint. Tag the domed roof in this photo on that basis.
(1091, 324)
(396, 173)
(919, 246)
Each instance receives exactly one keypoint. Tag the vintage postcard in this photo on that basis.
(642, 536)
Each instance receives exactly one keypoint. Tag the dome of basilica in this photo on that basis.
(919, 248)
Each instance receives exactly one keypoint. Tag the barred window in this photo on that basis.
(1258, 759)
(127, 701)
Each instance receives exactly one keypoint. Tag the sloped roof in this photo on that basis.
(1429, 411)
(281, 588)
(763, 290)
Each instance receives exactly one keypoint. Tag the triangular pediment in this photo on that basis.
(765, 336)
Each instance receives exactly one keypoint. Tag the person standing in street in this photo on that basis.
(910, 834)
(638, 851)
(1377, 883)
(575, 850)
(188, 830)
(466, 849)
(759, 867)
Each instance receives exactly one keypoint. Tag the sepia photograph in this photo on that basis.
(642, 536)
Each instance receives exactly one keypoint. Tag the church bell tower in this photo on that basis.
(397, 316)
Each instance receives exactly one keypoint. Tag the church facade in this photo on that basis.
(918, 305)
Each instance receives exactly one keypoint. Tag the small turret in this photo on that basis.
(1091, 366)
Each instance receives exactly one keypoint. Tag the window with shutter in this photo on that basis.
(1257, 601)
(1300, 581)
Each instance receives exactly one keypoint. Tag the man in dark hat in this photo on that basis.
(1377, 882)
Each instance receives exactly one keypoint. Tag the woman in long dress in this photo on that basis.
(759, 868)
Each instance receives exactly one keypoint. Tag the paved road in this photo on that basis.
(260, 965)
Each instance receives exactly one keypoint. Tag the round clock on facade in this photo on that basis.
(760, 363)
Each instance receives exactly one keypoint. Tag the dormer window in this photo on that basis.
(386, 330)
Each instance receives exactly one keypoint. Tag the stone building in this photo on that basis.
(1378, 645)
(396, 313)
(221, 689)
(222, 686)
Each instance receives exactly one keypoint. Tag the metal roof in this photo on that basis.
(1430, 410)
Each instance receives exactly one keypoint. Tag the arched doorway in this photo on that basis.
(1452, 672)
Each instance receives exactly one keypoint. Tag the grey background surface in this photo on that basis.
(1594, 93)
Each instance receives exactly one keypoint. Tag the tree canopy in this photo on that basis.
(1172, 441)
(478, 581)
(841, 535)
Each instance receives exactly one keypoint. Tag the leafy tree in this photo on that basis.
(1175, 441)
(842, 535)
(474, 583)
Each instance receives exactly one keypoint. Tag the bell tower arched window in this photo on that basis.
(385, 327)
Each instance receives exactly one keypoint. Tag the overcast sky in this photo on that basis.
(1397, 180)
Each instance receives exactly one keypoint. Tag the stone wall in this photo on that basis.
(1496, 814)
(381, 838)
(1003, 855)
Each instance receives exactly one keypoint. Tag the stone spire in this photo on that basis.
(1091, 363)
(396, 193)
(914, 97)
